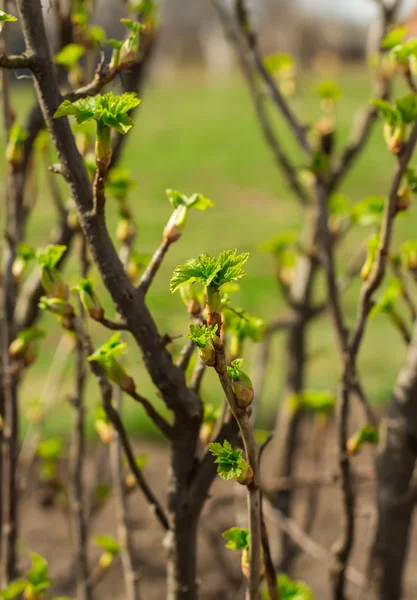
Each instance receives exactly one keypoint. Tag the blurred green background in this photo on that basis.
(197, 135)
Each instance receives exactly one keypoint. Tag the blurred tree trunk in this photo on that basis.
(396, 491)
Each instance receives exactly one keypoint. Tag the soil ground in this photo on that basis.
(46, 531)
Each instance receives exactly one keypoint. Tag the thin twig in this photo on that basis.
(153, 267)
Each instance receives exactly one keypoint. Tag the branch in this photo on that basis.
(156, 418)
(153, 267)
(262, 114)
(129, 301)
(299, 131)
(375, 278)
(253, 492)
(19, 61)
(112, 325)
(113, 415)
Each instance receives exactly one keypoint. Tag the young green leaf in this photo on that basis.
(368, 434)
(108, 544)
(13, 590)
(6, 18)
(277, 63)
(197, 201)
(50, 256)
(407, 107)
(69, 56)
(113, 348)
(108, 110)
(316, 401)
(38, 574)
(368, 211)
(280, 242)
(394, 37)
(373, 245)
(50, 449)
(290, 590)
(236, 538)
(409, 255)
(231, 464)
(388, 299)
(328, 90)
(244, 326)
(235, 370)
(202, 335)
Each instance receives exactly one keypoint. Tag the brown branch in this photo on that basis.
(112, 325)
(126, 545)
(246, 66)
(253, 492)
(186, 355)
(155, 417)
(79, 523)
(299, 131)
(114, 417)
(20, 61)
(153, 267)
(376, 276)
(129, 301)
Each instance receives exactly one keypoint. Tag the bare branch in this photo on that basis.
(299, 131)
(153, 267)
(261, 110)
(20, 61)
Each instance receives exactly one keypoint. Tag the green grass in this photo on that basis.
(196, 136)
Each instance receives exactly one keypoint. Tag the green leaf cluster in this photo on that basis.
(50, 256)
(235, 371)
(244, 326)
(108, 110)
(6, 18)
(320, 401)
(388, 299)
(230, 463)
(109, 351)
(210, 271)
(202, 335)
(236, 538)
(197, 201)
(403, 111)
(328, 90)
(108, 544)
(69, 56)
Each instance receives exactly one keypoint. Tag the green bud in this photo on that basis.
(57, 306)
(105, 431)
(176, 224)
(116, 373)
(243, 390)
(126, 231)
(106, 560)
(404, 199)
(246, 477)
(190, 298)
(394, 137)
(208, 355)
(17, 347)
(91, 304)
(103, 146)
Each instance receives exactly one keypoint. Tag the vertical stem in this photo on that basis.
(77, 490)
(123, 535)
(79, 524)
(8, 404)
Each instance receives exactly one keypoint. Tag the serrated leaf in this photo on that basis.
(69, 55)
(201, 335)
(230, 463)
(236, 538)
(107, 109)
(108, 544)
(111, 349)
(197, 201)
(394, 37)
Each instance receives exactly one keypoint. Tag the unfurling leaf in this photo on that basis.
(69, 56)
(230, 463)
(210, 271)
(394, 37)
(368, 434)
(236, 538)
(202, 335)
(108, 544)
